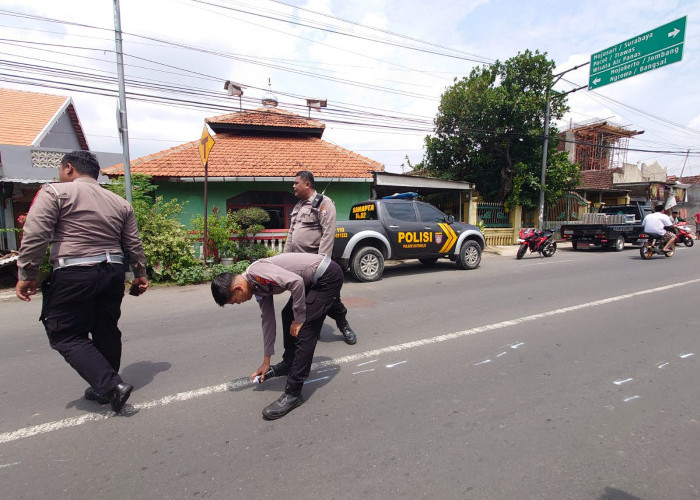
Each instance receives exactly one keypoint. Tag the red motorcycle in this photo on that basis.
(537, 240)
(683, 235)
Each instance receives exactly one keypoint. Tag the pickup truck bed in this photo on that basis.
(613, 227)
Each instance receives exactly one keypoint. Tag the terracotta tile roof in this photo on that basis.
(25, 115)
(255, 156)
(597, 179)
(266, 117)
(695, 179)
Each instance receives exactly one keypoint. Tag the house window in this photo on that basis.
(278, 204)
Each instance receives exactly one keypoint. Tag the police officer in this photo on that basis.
(314, 282)
(312, 230)
(87, 227)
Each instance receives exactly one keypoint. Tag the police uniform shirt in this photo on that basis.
(292, 272)
(312, 229)
(79, 219)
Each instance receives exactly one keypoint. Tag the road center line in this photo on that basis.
(26, 432)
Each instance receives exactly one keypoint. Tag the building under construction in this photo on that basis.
(597, 146)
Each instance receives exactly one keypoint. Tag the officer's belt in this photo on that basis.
(321, 269)
(84, 261)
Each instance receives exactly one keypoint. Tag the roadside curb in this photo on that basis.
(7, 295)
(502, 250)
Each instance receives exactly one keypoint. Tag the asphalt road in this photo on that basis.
(574, 377)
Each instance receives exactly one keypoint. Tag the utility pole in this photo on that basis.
(121, 112)
(547, 109)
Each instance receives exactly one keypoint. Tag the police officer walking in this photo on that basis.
(314, 282)
(312, 230)
(87, 228)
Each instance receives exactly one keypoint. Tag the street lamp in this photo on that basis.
(234, 89)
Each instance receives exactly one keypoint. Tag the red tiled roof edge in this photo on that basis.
(118, 169)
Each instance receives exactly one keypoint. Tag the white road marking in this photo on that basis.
(546, 262)
(329, 369)
(515, 346)
(663, 365)
(630, 398)
(9, 465)
(482, 362)
(316, 380)
(683, 356)
(26, 432)
(363, 371)
(620, 382)
(501, 354)
(396, 364)
(367, 362)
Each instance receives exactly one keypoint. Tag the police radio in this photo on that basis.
(317, 200)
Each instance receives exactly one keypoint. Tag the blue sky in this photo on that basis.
(186, 49)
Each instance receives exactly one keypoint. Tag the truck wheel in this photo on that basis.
(469, 255)
(619, 244)
(428, 262)
(367, 264)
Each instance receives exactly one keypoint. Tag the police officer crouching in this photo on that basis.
(87, 227)
(312, 230)
(314, 282)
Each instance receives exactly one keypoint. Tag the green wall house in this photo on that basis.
(253, 162)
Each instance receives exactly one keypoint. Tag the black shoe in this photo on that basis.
(91, 395)
(279, 370)
(348, 334)
(119, 395)
(284, 404)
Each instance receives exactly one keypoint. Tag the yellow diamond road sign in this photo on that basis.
(205, 145)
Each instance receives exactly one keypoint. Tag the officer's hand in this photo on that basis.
(25, 289)
(138, 286)
(262, 370)
(294, 330)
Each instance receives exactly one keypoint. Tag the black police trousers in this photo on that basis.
(80, 310)
(299, 351)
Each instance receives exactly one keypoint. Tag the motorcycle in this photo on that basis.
(537, 240)
(683, 235)
(653, 244)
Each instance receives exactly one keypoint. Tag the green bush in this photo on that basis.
(165, 240)
(199, 273)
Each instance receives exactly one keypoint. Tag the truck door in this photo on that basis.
(443, 238)
(403, 228)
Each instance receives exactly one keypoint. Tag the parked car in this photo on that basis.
(399, 229)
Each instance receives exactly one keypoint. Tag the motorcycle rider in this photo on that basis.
(655, 224)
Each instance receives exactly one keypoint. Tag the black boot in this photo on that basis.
(348, 334)
(284, 404)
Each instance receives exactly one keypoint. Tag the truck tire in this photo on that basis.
(619, 244)
(367, 264)
(469, 255)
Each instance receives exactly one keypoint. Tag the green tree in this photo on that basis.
(489, 130)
